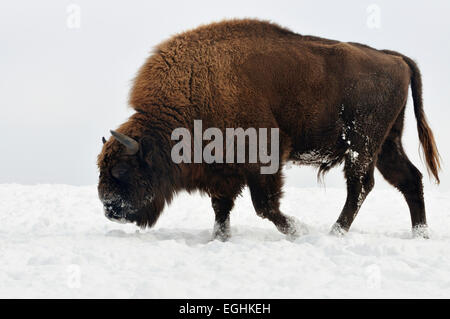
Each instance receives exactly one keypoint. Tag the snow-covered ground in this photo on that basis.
(55, 242)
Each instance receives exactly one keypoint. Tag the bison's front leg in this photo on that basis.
(360, 181)
(266, 192)
(222, 208)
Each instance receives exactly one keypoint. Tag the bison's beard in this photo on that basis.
(148, 214)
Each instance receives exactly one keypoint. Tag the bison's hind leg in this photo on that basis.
(396, 168)
(363, 138)
(359, 173)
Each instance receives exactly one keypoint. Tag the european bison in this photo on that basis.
(332, 102)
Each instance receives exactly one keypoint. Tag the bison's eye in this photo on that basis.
(120, 171)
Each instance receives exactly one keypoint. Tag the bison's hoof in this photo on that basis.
(294, 228)
(221, 236)
(337, 230)
(421, 231)
(221, 231)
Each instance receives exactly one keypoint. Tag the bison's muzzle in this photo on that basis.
(119, 212)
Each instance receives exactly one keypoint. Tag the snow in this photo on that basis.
(56, 242)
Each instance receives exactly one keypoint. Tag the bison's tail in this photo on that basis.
(425, 134)
(426, 137)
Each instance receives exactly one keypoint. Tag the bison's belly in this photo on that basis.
(315, 157)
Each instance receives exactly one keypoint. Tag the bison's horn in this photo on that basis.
(131, 145)
(103, 140)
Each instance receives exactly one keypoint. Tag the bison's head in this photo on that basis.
(134, 179)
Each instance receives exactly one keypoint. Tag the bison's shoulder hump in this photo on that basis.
(226, 29)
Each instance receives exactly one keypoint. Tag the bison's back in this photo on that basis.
(192, 68)
(248, 73)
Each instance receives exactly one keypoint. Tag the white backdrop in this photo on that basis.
(66, 69)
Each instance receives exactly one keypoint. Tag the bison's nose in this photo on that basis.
(114, 215)
(118, 215)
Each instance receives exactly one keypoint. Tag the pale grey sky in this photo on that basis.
(63, 88)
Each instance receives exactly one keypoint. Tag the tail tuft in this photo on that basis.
(429, 148)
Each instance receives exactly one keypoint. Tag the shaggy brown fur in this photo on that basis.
(332, 101)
